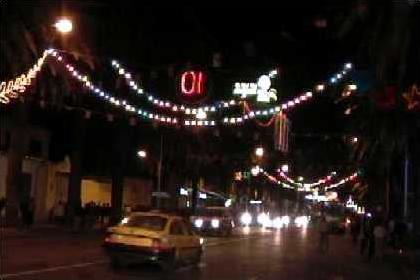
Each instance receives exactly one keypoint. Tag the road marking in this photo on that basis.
(64, 267)
(51, 269)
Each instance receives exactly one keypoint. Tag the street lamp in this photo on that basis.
(259, 152)
(285, 168)
(142, 153)
(64, 25)
(300, 178)
(355, 139)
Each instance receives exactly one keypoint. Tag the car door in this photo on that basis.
(177, 238)
(191, 243)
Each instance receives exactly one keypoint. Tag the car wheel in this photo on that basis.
(197, 257)
(170, 265)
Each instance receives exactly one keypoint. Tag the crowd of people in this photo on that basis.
(87, 216)
(372, 233)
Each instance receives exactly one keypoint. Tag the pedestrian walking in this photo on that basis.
(355, 227)
(31, 212)
(323, 235)
(368, 239)
(24, 210)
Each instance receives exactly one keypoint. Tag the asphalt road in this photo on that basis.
(287, 254)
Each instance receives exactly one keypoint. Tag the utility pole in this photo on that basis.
(406, 182)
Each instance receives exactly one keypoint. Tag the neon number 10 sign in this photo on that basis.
(193, 83)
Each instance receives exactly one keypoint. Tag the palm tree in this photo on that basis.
(391, 46)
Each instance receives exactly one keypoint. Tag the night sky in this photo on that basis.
(307, 42)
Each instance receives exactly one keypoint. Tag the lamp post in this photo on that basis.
(143, 154)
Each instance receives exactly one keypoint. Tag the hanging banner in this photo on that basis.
(281, 133)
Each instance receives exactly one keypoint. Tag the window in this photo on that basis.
(177, 228)
(155, 223)
(188, 228)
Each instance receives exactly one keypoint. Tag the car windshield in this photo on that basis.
(155, 223)
(212, 212)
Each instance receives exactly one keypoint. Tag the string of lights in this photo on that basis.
(307, 185)
(278, 182)
(14, 88)
(304, 97)
(299, 186)
(123, 104)
(352, 177)
(9, 91)
(86, 82)
(188, 110)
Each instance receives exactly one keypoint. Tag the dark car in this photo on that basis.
(217, 221)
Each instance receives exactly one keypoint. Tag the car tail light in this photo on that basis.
(108, 237)
(159, 245)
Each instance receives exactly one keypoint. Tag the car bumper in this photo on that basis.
(135, 254)
(213, 231)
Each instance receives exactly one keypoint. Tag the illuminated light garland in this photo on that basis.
(318, 182)
(347, 179)
(168, 104)
(13, 88)
(85, 81)
(302, 98)
(274, 180)
(342, 181)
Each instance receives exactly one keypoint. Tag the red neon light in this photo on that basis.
(192, 82)
(200, 83)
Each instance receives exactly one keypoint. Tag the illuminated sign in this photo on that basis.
(193, 83)
(264, 92)
(262, 89)
(245, 89)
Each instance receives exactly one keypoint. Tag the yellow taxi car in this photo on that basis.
(161, 238)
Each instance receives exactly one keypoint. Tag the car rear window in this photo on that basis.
(155, 223)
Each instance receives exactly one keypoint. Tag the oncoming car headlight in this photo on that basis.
(302, 221)
(263, 219)
(285, 220)
(215, 223)
(124, 221)
(198, 223)
(277, 223)
(246, 219)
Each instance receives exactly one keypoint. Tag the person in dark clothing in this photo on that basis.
(24, 213)
(368, 239)
(2, 204)
(355, 227)
(31, 212)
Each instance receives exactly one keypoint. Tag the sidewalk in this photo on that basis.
(46, 231)
(407, 261)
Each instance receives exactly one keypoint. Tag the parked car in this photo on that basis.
(216, 221)
(153, 237)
